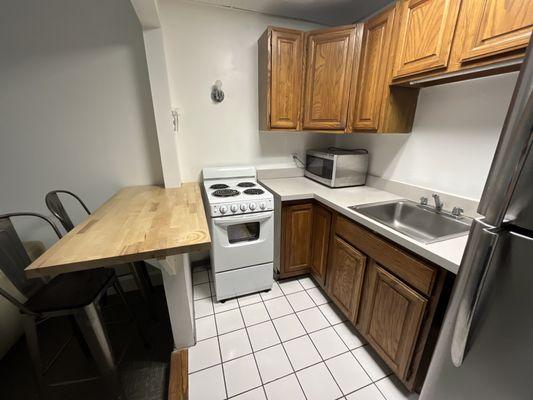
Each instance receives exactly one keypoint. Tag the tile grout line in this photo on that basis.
(313, 343)
(372, 381)
(219, 349)
(281, 343)
(350, 350)
(250, 343)
(271, 320)
(353, 355)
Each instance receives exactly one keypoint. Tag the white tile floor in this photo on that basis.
(290, 343)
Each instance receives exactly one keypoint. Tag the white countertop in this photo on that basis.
(447, 253)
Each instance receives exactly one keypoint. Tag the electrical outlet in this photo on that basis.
(175, 119)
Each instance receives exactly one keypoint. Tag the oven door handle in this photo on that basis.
(241, 219)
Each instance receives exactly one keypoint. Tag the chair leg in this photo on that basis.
(30, 330)
(140, 274)
(92, 327)
(120, 291)
(145, 275)
(79, 336)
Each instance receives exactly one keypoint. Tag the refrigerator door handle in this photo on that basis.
(472, 273)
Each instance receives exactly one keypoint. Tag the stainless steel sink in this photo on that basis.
(413, 220)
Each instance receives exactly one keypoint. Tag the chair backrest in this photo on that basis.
(55, 206)
(13, 256)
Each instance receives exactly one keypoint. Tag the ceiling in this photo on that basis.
(328, 12)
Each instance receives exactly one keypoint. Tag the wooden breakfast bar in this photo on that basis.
(137, 223)
(142, 223)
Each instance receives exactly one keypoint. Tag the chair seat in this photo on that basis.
(71, 290)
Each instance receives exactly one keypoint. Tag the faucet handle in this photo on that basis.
(457, 211)
(424, 201)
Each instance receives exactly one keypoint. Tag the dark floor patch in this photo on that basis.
(144, 371)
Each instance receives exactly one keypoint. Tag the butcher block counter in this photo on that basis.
(137, 223)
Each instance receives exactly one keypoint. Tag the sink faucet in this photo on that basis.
(438, 202)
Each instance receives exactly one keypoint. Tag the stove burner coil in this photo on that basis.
(245, 184)
(219, 186)
(254, 191)
(225, 193)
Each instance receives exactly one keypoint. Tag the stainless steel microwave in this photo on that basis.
(336, 167)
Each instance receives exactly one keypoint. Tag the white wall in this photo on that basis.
(455, 133)
(75, 105)
(204, 44)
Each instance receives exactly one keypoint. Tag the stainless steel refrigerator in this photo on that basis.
(485, 349)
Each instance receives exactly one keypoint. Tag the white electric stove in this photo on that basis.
(241, 220)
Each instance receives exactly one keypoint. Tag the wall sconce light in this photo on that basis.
(217, 95)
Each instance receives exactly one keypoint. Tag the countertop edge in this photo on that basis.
(375, 226)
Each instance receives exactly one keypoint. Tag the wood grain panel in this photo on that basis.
(329, 71)
(286, 78)
(178, 382)
(320, 242)
(345, 276)
(392, 318)
(413, 271)
(496, 26)
(426, 35)
(137, 223)
(297, 225)
(372, 71)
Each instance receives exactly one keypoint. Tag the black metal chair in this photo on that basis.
(75, 294)
(137, 269)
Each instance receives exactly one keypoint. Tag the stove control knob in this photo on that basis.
(243, 207)
(252, 206)
(233, 208)
(223, 209)
(262, 205)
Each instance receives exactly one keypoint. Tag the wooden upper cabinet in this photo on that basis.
(495, 27)
(281, 55)
(426, 34)
(368, 87)
(330, 58)
(345, 276)
(391, 318)
(320, 242)
(297, 225)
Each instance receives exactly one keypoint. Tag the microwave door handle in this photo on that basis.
(237, 219)
(469, 286)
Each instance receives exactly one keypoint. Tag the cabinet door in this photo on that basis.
(370, 84)
(320, 243)
(426, 33)
(345, 276)
(286, 78)
(391, 318)
(496, 26)
(297, 223)
(330, 55)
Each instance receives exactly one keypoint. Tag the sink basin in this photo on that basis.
(413, 220)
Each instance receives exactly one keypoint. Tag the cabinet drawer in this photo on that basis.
(408, 268)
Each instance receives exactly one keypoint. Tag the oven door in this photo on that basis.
(242, 241)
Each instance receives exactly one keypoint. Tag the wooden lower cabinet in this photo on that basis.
(345, 276)
(320, 242)
(296, 231)
(391, 317)
(395, 299)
